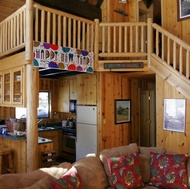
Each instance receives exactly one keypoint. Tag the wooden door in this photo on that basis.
(147, 118)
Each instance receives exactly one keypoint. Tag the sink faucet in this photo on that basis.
(39, 120)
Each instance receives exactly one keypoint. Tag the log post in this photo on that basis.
(32, 91)
(96, 44)
(150, 40)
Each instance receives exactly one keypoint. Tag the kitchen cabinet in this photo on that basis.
(13, 87)
(46, 156)
(63, 95)
(18, 146)
(56, 136)
(73, 88)
(86, 89)
(6, 87)
(17, 88)
(1, 84)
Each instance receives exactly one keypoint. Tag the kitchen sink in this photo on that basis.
(45, 128)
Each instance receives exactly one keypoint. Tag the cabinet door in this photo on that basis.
(6, 87)
(1, 87)
(17, 88)
(63, 95)
(56, 136)
(73, 88)
(86, 89)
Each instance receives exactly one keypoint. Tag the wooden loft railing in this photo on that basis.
(57, 27)
(117, 43)
(49, 25)
(124, 42)
(12, 32)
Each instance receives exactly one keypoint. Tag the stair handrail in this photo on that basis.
(172, 50)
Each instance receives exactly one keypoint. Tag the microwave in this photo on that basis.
(72, 106)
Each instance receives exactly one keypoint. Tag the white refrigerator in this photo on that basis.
(86, 130)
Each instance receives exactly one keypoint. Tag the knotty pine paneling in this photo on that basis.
(7, 112)
(86, 89)
(108, 13)
(114, 86)
(171, 141)
(135, 108)
(170, 21)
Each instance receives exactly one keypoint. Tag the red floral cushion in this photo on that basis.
(70, 180)
(125, 171)
(168, 171)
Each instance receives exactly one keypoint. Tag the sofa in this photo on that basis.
(129, 166)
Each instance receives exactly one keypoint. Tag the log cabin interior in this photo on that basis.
(140, 52)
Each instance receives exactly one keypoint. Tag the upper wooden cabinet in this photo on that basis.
(1, 87)
(63, 95)
(7, 87)
(13, 87)
(73, 88)
(81, 88)
(86, 89)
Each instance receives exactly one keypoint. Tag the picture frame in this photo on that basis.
(174, 115)
(183, 7)
(122, 111)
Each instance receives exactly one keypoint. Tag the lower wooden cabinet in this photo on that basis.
(18, 148)
(56, 136)
(47, 155)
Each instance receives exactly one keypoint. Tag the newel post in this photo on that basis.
(32, 91)
(96, 43)
(149, 40)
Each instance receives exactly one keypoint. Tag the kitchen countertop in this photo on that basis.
(13, 137)
(50, 127)
(40, 139)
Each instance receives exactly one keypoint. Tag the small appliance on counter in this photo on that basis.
(69, 123)
(64, 123)
(3, 129)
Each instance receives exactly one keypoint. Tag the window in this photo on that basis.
(43, 109)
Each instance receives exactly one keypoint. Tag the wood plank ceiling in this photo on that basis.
(81, 7)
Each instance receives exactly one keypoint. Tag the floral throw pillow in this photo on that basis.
(125, 171)
(168, 171)
(70, 180)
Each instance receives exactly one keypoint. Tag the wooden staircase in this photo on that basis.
(170, 60)
(148, 43)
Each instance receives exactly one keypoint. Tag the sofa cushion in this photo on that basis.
(125, 171)
(70, 180)
(116, 151)
(168, 170)
(91, 172)
(145, 160)
(188, 171)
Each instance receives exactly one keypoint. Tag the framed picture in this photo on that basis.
(122, 111)
(183, 9)
(174, 115)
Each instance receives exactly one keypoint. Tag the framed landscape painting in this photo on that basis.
(122, 111)
(183, 9)
(174, 115)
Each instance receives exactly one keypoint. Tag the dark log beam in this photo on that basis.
(99, 3)
(148, 3)
(77, 8)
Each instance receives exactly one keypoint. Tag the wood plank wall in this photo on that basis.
(170, 21)
(109, 15)
(171, 141)
(113, 86)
